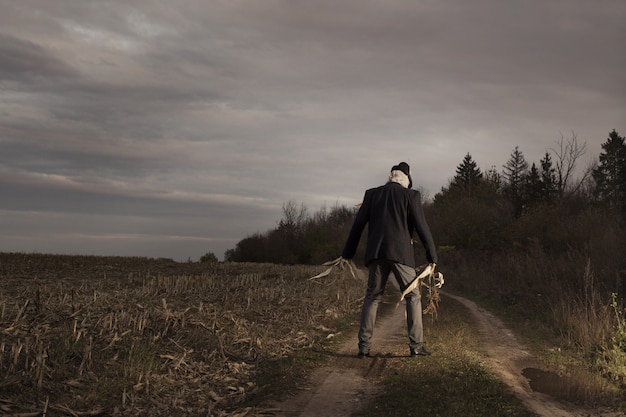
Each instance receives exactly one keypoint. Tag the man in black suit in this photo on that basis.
(392, 212)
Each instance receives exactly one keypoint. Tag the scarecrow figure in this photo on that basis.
(392, 213)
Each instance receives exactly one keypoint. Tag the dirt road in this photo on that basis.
(509, 359)
(349, 384)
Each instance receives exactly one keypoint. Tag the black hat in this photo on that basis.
(404, 167)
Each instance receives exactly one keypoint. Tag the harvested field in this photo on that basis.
(83, 335)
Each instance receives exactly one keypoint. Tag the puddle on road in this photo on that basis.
(554, 385)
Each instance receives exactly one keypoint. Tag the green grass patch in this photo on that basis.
(451, 382)
(450, 387)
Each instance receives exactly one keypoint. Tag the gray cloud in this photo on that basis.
(147, 120)
(24, 61)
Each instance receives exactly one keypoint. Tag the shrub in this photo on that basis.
(612, 362)
(208, 258)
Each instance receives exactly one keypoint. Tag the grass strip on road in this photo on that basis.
(452, 382)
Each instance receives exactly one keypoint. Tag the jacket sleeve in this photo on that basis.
(422, 228)
(360, 221)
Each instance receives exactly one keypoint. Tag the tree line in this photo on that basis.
(299, 238)
(520, 205)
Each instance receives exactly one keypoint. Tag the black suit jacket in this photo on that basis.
(393, 214)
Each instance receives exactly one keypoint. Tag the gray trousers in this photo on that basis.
(379, 272)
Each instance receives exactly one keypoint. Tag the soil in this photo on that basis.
(350, 384)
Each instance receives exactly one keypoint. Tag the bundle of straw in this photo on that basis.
(432, 281)
(342, 264)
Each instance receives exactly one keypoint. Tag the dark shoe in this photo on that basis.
(421, 351)
(361, 355)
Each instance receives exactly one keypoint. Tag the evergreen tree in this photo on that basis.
(549, 181)
(469, 212)
(610, 174)
(514, 174)
(494, 178)
(533, 187)
(468, 176)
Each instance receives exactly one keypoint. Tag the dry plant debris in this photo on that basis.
(87, 336)
(341, 265)
(431, 280)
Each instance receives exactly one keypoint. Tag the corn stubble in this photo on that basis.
(134, 336)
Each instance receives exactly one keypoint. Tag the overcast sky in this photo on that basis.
(176, 128)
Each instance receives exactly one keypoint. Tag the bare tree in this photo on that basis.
(567, 154)
(294, 217)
